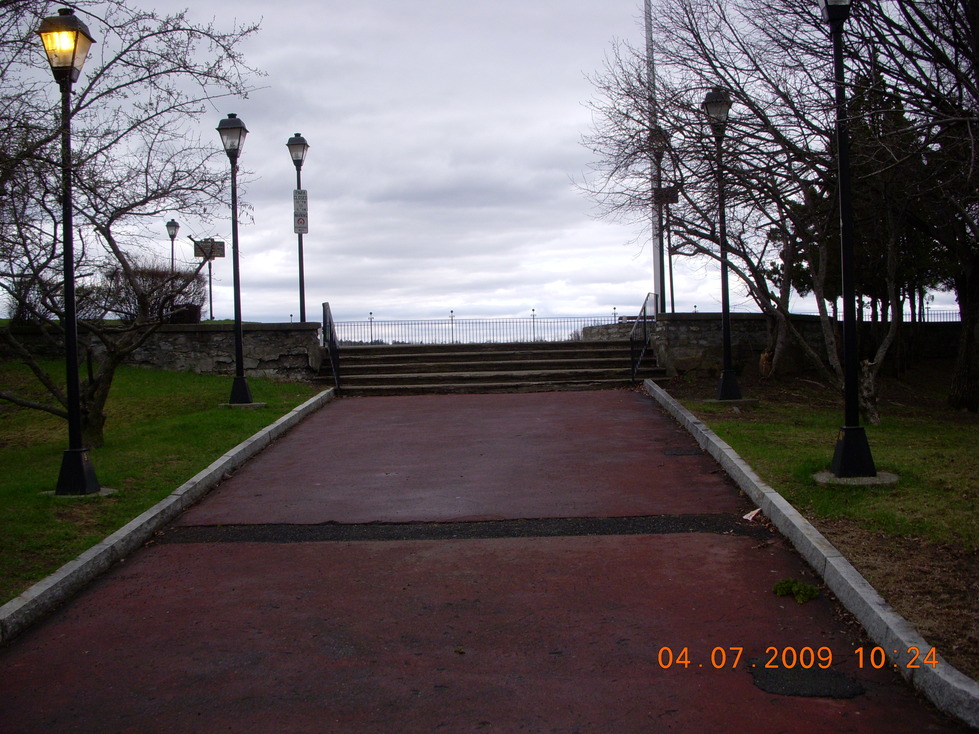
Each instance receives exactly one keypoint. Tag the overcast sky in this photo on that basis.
(445, 139)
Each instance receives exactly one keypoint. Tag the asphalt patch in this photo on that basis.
(683, 452)
(480, 530)
(813, 682)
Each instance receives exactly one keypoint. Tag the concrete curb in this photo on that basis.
(44, 596)
(950, 690)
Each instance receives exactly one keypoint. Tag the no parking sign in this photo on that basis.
(300, 212)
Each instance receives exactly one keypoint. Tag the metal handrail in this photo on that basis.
(642, 332)
(332, 343)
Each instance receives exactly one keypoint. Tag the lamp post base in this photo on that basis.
(240, 393)
(728, 388)
(77, 474)
(852, 457)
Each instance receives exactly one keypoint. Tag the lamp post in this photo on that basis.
(172, 228)
(658, 142)
(297, 149)
(66, 42)
(717, 105)
(852, 457)
(233, 132)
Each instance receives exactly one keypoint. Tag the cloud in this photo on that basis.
(444, 137)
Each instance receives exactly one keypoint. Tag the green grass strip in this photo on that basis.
(162, 428)
(933, 453)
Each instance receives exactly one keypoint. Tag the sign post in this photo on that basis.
(209, 249)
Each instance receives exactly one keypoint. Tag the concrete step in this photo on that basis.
(480, 352)
(488, 364)
(489, 387)
(451, 368)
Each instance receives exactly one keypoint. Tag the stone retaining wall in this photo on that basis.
(691, 342)
(683, 343)
(277, 351)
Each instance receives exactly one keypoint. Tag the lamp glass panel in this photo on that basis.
(82, 45)
(60, 48)
(232, 135)
(297, 148)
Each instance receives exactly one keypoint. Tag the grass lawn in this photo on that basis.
(937, 497)
(161, 429)
(916, 542)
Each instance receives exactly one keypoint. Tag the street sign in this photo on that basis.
(208, 249)
(300, 212)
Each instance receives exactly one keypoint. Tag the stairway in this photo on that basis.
(479, 368)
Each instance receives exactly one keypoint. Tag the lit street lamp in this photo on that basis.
(297, 149)
(233, 132)
(66, 42)
(852, 457)
(717, 105)
(172, 228)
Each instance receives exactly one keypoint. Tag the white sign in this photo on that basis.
(300, 202)
(300, 211)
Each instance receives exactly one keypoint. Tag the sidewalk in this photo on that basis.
(543, 562)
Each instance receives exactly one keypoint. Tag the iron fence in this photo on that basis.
(930, 316)
(467, 331)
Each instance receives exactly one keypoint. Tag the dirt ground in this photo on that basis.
(943, 603)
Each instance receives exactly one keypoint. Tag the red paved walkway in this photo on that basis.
(525, 633)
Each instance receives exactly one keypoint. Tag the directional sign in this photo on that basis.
(300, 212)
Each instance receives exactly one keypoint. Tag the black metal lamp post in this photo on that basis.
(717, 105)
(297, 149)
(852, 457)
(172, 228)
(66, 42)
(233, 132)
(658, 142)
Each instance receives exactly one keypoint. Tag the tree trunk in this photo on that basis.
(94, 395)
(93, 429)
(781, 343)
(867, 393)
(964, 391)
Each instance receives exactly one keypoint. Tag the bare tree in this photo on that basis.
(137, 157)
(775, 60)
(928, 53)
